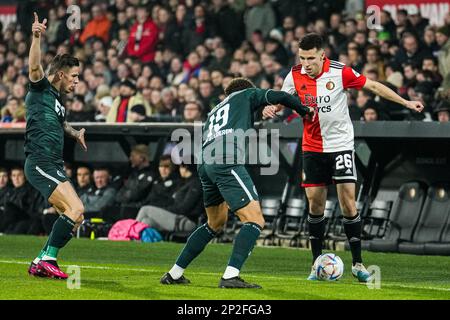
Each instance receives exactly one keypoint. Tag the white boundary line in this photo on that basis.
(213, 273)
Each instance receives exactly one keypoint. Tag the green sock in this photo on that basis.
(195, 244)
(60, 235)
(243, 244)
(44, 249)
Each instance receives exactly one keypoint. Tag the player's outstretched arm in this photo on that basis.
(77, 135)
(36, 72)
(278, 98)
(381, 90)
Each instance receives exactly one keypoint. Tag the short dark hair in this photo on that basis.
(238, 84)
(62, 61)
(311, 41)
(4, 170)
(102, 168)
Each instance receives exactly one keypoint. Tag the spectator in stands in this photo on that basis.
(137, 114)
(138, 184)
(418, 23)
(103, 107)
(193, 111)
(181, 212)
(373, 61)
(14, 111)
(259, 16)
(431, 64)
(370, 113)
(176, 75)
(443, 40)
(96, 200)
(143, 37)
(442, 111)
(98, 27)
(23, 206)
(129, 97)
(170, 105)
(5, 191)
(164, 186)
(227, 23)
(206, 95)
(411, 51)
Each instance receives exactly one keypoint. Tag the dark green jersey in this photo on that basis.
(229, 127)
(44, 136)
(228, 123)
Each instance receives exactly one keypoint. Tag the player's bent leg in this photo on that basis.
(352, 227)
(196, 243)
(65, 199)
(253, 222)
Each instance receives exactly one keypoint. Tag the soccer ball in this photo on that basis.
(328, 267)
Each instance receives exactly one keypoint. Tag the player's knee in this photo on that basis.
(260, 222)
(348, 209)
(217, 224)
(316, 207)
(77, 213)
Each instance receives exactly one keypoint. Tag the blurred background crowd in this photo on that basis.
(169, 60)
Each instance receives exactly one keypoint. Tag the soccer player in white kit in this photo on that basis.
(328, 140)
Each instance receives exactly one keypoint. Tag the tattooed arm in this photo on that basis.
(77, 135)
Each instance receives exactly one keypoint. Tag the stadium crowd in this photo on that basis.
(170, 60)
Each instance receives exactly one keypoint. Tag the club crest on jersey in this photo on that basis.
(330, 85)
(59, 109)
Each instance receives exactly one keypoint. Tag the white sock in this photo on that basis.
(36, 260)
(230, 272)
(46, 257)
(176, 272)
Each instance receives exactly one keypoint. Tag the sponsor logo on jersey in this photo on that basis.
(311, 100)
(330, 85)
(59, 173)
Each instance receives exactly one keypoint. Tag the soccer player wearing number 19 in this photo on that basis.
(227, 184)
(44, 141)
(328, 154)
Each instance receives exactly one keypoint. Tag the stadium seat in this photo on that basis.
(442, 248)
(290, 225)
(404, 216)
(376, 221)
(270, 208)
(432, 222)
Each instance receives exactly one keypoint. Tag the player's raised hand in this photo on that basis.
(38, 28)
(81, 140)
(414, 105)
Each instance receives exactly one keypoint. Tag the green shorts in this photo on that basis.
(229, 183)
(44, 175)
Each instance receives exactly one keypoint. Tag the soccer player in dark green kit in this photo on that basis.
(226, 182)
(44, 141)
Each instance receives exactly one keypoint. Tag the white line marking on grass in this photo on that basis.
(213, 273)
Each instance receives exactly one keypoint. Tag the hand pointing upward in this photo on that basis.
(37, 27)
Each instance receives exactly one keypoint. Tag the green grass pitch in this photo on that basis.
(131, 270)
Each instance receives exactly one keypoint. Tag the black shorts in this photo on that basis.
(322, 169)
